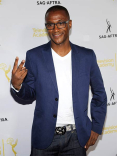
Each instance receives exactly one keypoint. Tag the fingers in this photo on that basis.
(18, 73)
(24, 74)
(92, 140)
(16, 67)
(21, 65)
(15, 64)
(94, 137)
(22, 71)
(87, 145)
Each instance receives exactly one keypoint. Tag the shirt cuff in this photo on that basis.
(16, 89)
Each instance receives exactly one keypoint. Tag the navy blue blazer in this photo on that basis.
(40, 84)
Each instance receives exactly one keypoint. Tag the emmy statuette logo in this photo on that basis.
(3, 66)
(10, 142)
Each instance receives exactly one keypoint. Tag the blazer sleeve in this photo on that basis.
(27, 91)
(99, 98)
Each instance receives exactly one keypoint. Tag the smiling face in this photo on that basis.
(58, 36)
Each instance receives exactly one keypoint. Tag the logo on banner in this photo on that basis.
(112, 95)
(48, 2)
(109, 130)
(0, 2)
(108, 31)
(3, 66)
(112, 98)
(115, 62)
(3, 119)
(39, 32)
(10, 142)
(108, 26)
(108, 62)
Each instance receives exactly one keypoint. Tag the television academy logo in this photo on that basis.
(112, 98)
(110, 62)
(39, 32)
(109, 129)
(48, 2)
(108, 31)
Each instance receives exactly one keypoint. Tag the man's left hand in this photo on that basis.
(92, 140)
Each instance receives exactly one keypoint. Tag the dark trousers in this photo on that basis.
(62, 145)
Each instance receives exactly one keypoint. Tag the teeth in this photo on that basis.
(57, 35)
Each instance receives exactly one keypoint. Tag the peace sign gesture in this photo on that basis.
(18, 74)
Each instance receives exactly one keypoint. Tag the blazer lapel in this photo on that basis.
(50, 64)
(75, 70)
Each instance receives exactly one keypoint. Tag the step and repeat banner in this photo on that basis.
(22, 28)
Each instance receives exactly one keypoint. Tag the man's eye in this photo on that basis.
(61, 23)
(50, 24)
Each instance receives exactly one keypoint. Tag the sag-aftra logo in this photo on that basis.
(48, 2)
(112, 100)
(108, 33)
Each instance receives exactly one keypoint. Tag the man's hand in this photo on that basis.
(91, 140)
(18, 74)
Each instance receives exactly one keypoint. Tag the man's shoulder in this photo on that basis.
(82, 50)
(38, 49)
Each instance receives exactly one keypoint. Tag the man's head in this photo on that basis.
(58, 15)
(57, 8)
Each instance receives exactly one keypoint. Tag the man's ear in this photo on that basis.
(70, 24)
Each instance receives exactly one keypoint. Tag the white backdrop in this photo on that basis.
(22, 28)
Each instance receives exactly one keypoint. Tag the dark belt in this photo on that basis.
(62, 130)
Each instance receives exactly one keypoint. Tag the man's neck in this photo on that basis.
(62, 49)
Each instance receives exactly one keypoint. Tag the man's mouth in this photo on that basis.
(57, 35)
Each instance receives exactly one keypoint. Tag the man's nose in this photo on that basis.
(56, 28)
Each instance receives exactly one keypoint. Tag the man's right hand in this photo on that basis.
(18, 74)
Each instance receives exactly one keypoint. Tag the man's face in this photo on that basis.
(58, 36)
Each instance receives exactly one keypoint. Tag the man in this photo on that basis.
(58, 75)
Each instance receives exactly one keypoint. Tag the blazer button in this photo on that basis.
(54, 115)
(56, 99)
